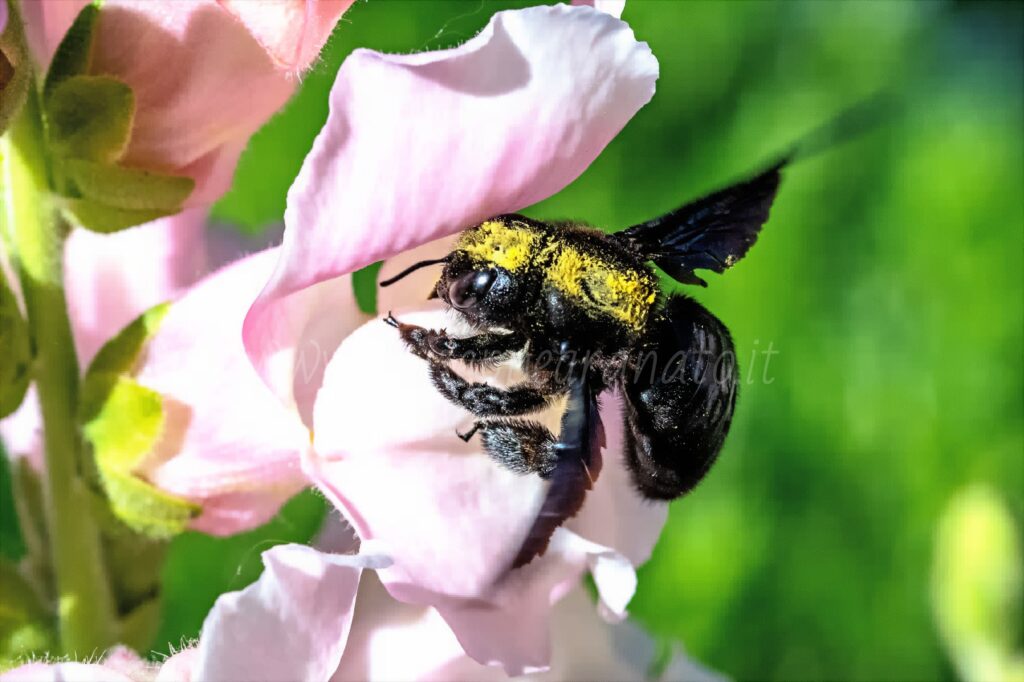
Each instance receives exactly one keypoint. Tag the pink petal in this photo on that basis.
(179, 667)
(587, 648)
(3, 15)
(22, 431)
(291, 31)
(508, 627)
(225, 513)
(583, 646)
(382, 627)
(64, 672)
(378, 420)
(46, 22)
(213, 172)
(203, 85)
(229, 443)
(291, 624)
(612, 7)
(125, 661)
(110, 279)
(420, 146)
(386, 453)
(336, 536)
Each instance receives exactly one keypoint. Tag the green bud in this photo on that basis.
(123, 421)
(978, 586)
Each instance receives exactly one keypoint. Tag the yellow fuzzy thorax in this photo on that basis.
(593, 282)
(596, 284)
(507, 246)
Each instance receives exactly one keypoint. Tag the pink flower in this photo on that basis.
(416, 147)
(312, 616)
(612, 7)
(420, 146)
(449, 517)
(228, 442)
(118, 665)
(205, 75)
(110, 280)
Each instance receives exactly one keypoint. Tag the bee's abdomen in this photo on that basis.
(679, 399)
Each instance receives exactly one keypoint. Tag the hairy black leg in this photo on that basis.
(486, 348)
(520, 445)
(485, 400)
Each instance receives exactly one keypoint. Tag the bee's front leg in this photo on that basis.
(486, 348)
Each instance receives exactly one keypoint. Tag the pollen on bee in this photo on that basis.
(603, 286)
(507, 246)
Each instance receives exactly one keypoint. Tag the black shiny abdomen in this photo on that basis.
(679, 395)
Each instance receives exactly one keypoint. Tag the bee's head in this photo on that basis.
(488, 277)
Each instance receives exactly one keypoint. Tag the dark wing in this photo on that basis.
(579, 463)
(711, 233)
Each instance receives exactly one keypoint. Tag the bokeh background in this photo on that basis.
(887, 288)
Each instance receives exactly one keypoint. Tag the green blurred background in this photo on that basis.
(888, 285)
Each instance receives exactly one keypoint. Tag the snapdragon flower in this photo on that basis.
(255, 403)
(150, 104)
(417, 147)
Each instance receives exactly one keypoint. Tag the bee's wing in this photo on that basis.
(579, 462)
(710, 233)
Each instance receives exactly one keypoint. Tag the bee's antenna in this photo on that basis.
(411, 269)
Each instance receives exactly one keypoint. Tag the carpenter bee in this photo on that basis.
(585, 308)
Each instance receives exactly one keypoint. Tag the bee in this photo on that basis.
(586, 310)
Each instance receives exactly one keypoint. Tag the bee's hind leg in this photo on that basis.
(485, 400)
(520, 445)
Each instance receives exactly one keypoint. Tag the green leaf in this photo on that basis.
(90, 117)
(25, 626)
(15, 349)
(106, 219)
(119, 354)
(74, 52)
(123, 421)
(127, 188)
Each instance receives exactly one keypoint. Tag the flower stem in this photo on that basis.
(85, 606)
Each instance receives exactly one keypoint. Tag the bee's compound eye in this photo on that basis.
(470, 288)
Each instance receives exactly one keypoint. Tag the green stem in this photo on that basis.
(85, 605)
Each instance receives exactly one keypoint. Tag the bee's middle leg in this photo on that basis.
(485, 400)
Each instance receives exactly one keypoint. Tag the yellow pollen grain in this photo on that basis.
(625, 295)
(507, 246)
